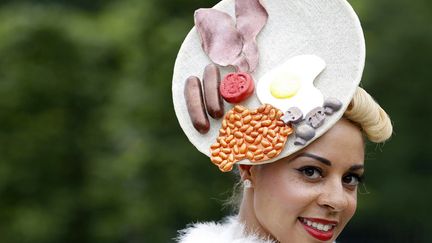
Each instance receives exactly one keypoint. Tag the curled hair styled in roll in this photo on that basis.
(369, 115)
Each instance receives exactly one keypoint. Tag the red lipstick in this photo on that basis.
(320, 229)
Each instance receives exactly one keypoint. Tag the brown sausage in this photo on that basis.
(213, 98)
(195, 104)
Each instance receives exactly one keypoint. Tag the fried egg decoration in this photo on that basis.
(291, 84)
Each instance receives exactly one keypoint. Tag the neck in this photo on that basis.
(247, 215)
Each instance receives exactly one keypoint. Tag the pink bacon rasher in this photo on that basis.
(228, 44)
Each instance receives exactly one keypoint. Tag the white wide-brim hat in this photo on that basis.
(327, 29)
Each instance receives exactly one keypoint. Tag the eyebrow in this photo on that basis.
(316, 157)
(328, 162)
(356, 167)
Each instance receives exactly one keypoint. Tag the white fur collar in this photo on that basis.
(228, 231)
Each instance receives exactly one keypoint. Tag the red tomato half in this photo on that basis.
(237, 87)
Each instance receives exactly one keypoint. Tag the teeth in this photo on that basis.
(318, 226)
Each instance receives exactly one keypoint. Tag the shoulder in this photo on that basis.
(230, 230)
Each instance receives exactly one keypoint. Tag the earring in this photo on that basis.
(247, 184)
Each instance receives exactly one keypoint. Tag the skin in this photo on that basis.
(304, 185)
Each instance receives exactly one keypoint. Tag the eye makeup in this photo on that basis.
(313, 173)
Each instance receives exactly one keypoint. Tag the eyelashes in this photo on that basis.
(314, 174)
(311, 172)
(353, 179)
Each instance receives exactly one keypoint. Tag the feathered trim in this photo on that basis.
(228, 231)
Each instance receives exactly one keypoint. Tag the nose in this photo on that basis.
(333, 196)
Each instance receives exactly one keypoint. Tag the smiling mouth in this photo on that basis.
(319, 228)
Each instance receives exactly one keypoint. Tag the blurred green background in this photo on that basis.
(91, 151)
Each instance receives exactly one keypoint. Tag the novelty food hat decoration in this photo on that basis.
(276, 75)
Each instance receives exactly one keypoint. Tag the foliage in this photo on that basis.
(91, 151)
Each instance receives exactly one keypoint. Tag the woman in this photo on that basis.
(297, 139)
(309, 196)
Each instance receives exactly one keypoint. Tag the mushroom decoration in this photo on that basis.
(315, 118)
(292, 115)
(304, 133)
(331, 105)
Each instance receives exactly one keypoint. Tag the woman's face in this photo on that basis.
(310, 196)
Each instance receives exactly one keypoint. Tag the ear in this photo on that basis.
(245, 171)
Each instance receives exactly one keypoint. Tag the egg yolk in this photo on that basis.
(284, 87)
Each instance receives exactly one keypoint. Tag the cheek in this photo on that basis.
(352, 205)
(279, 200)
(350, 210)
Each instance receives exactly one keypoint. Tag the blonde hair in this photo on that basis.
(369, 115)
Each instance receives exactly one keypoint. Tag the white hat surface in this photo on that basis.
(320, 43)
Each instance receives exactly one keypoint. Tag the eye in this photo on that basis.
(352, 179)
(311, 172)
